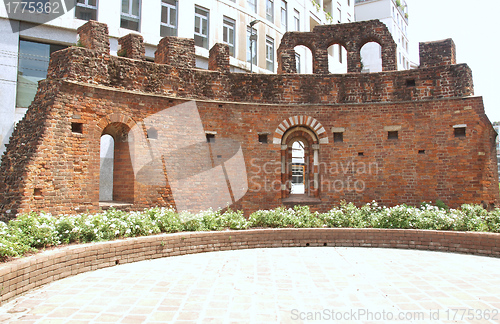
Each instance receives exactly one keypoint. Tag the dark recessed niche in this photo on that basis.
(210, 138)
(152, 133)
(37, 192)
(338, 137)
(421, 151)
(459, 132)
(410, 83)
(77, 128)
(220, 106)
(392, 135)
(263, 138)
(361, 154)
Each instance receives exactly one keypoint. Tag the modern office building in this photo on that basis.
(393, 13)
(25, 48)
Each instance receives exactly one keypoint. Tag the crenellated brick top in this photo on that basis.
(174, 72)
(437, 53)
(87, 66)
(132, 46)
(218, 59)
(176, 52)
(95, 36)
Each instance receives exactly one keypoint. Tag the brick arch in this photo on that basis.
(115, 118)
(354, 36)
(309, 122)
(286, 50)
(351, 36)
(118, 126)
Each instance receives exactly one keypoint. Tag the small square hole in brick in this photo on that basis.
(410, 83)
(77, 128)
(361, 154)
(210, 138)
(338, 137)
(421, 151)
(392, 135)
(220, 106)
(459, 132)
(37, 192)
(152, 133)
(263, 138)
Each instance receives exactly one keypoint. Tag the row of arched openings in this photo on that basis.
(371, 58)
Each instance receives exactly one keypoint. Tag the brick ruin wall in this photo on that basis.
(52, 160)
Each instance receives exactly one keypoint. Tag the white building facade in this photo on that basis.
(394, 14)
(25, 48)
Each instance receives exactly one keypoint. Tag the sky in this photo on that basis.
(474, 26)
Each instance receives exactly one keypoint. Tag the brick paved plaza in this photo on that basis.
(282, 285)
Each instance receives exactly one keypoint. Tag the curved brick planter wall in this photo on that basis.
(22, 275)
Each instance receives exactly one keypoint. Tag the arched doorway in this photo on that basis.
(117, 180)
(299, 153)
(298, 168)
(106, 168)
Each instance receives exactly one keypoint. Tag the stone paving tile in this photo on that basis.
(282, 285)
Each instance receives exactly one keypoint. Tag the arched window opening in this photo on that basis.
(117, 178)
(298, 168)
(303, 59)
(107, 156)
(299, 163)
(371, 58)
(337, 59)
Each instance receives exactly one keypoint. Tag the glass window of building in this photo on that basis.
(250, 32)
(284, 15)
(131, 14)
(86, 9)
(34, 60)
(296, 19)
(228, 33)
(252, 4)
(168, 25)
(270, 10)
(269, 53)
(201, 27)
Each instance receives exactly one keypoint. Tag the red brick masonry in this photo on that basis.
(394, 137)
(22, 275)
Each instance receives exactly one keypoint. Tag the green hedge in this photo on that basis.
(29, 232)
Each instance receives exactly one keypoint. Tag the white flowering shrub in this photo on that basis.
(299, 216)
(29, 232)
(348, 215)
